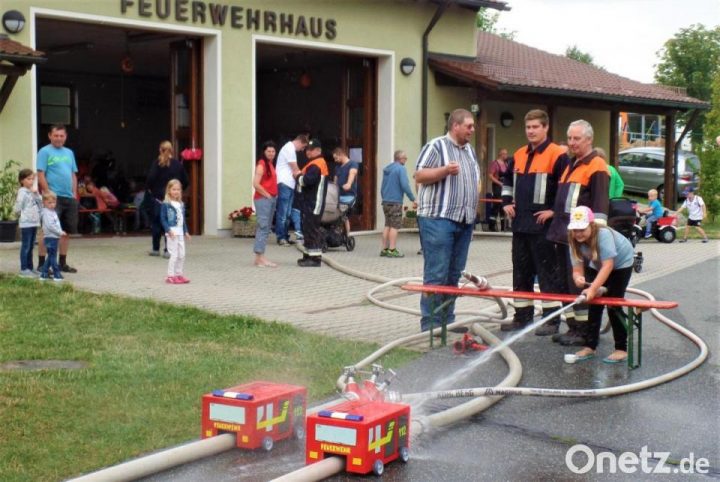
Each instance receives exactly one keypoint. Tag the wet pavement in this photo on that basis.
(520, 438)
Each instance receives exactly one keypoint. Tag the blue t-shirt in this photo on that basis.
(58, 164)
(657, 209)
(611, 245)
(343, 172)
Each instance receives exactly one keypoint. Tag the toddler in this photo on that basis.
(51, 234)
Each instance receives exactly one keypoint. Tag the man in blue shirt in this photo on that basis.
(346, 179)
(57, 172)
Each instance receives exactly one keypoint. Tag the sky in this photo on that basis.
(623, 36)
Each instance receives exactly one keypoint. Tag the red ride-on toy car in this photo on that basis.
(664, 229)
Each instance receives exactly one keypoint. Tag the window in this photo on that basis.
(656, 162)
(628, 160)
(339, 435)
(56, 105)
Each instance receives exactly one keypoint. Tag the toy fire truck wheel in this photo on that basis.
(378, 467)
(350, 243)
(267, 443)
(299, 432)
(404, 454)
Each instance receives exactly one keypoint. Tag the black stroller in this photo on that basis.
(622, 217)
(333, 221)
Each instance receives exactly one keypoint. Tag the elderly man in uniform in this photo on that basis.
(448, 175)
(584, 182)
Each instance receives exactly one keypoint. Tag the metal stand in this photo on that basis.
(443, 325)
(633, 320)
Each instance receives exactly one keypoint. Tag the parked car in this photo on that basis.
(643, 168)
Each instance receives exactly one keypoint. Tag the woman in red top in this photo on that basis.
(265, 184)
(497, 171)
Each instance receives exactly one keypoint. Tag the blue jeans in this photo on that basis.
(283, 210)
(27, 237)
(649, 224)
(264, 211)
(445, 245)
(51, 244)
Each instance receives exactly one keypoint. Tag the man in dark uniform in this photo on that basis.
(584, 182)
(528, 194)
(311, 187)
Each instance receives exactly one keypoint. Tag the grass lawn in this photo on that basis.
(148, 364)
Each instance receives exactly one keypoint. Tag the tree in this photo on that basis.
(690, 60)
(487, 19)
(575, 53)
(710, 154)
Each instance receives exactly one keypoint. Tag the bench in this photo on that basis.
(633, 316)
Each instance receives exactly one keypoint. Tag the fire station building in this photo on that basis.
(225, 76)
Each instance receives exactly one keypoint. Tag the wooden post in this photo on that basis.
(670, 162)
(614, 144)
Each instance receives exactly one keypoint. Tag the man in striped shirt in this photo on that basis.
(448, 175)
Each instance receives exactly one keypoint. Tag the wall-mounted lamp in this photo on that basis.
(407, 66)
(506, 119)
(13, 21)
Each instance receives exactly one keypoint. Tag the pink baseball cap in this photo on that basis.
(581, 217)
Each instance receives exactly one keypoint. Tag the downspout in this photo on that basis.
(438, 13)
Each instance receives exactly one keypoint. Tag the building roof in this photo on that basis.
(506, 65)
(17, 53)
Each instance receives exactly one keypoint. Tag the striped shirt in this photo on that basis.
(454, 197)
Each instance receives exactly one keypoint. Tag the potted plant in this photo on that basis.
(243, 222)
(409, 220)
(8, 192)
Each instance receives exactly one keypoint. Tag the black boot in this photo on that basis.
(549, 328)
(514, 326)
(310, 261)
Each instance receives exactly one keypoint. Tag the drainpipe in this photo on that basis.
(438, 13)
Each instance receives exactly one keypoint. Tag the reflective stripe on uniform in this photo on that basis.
(540, 187)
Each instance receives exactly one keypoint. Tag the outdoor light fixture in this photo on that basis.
(13, 21)
(407, 66)
(506, 119)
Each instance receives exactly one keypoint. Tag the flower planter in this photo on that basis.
(409, 223)
(8, 231)
(243, 229)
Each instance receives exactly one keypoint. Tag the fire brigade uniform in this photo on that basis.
(584, 182)
(311, 188)
(530, 183)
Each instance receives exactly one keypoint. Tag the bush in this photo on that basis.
(8, 190)
(710, 178)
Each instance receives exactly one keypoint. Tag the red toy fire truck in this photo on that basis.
(259, 413)
(367, 431)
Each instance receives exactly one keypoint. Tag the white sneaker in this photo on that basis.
(27, 273)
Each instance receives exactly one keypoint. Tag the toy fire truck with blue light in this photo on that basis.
(259, 413)
(368, 431)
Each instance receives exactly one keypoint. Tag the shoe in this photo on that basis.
(384, 252)
(705, 240)
(27, 273)
(574, 339)
(182, 280)
(514, 326)
(299, 236)
(283, 242)
(154, 253)
(44, 277)
(613, 361)
(172, 280)
(648, 236)
(394, 253)
(166, 255)
(60, 279)
(547, 329)
(310, 262)
(589, 356)
(681, 241)
(66, 268)
(556, 337)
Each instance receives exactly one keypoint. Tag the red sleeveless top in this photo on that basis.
(269, 182)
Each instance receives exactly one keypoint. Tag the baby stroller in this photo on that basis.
(332, 222)
(623, 219)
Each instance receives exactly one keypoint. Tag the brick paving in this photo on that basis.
(321, 300)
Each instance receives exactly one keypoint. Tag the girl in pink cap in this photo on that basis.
(601, 257)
